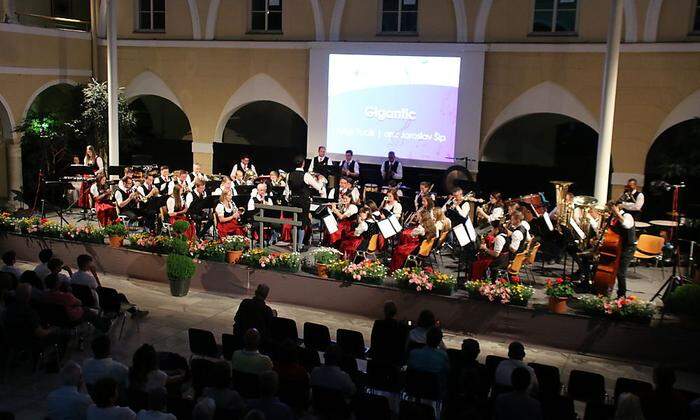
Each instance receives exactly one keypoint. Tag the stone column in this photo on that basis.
(203, 153)
(14, 166)
(112, 84)
(9, 7)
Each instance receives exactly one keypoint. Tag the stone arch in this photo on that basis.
(148, 83)
(43, 87)
(260, 87)
(687, 109)
(547, 97)
(7, 120)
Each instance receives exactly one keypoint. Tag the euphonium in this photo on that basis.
(564, 210)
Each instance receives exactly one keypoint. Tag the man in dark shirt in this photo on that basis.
(254, 313)
(388, 342)
(518, 404)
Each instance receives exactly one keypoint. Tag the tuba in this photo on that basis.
(564, 210)
(585, 202)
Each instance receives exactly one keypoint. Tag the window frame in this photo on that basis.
(151, 12)
(552, 32)
(398, 32)
(267, 12)
(693, 17)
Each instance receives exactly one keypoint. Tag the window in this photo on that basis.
(61, 8)
(400, 16)
(151, 15)
(696, 22)
(557, 16)
(266, 16)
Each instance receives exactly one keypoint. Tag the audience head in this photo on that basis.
(289, 354)
(268, 384)
(516, 350)
(105, 392)
(520, 379)
(30, 277)
(9, 257)
(51, 282)
(390, 309)
(433, 338)
(157, 399)
(470, 349)
(426, 319)
(145, 360)
(664, 378)
(23, 292)
(204, 410)
(84, 262)
(254, 415)
(299, 161)
(262, 291)
(251, 339)
(45, 255)
(101, 347)
(72, 375)
(221, 376)
(332, 355)
(54, 265)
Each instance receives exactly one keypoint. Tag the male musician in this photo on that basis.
(276, 180)
(320, 160)
(423, 191)
(556, 211)
(299, 184)
(622, 223)
(457, 209)
(391, 169)
(163, 180)
(632, 199)
(518, 235)
(128, 173)
(195, 175)
(244, 166)
(195, 203)
(349, 167)
(180, 179)
(149, 207)
(127, 200)
(494, 252)
(345, 188)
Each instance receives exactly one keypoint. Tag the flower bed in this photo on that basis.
(624, 308)
(7, 222)
(262, 258)
(501, 291)
(367, 271)
(425, 281)
(158, 244)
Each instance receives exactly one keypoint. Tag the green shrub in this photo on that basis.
(117, 229)
(180, 227)
(178, 246)
(685, 300)
(180, 267)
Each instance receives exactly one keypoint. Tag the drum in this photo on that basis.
(664, 223)
(641, 225)
(535, 202)
(371, 188)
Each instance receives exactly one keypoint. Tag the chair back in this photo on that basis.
(532, 254)
(203, 343)
(548, 378)
(425, 247)
(282, 329)
(247, 384)
(636, 387)
(372, 245)
(84, 294)
(410, 410)
(491, 363)
(316, 336)
(109, 300)
(517, 263)
(351, 342)
(586, 386)
(229, 344)
(383, 376)
(650, 245)
(422, 385)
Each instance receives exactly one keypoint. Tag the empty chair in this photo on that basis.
(586, 386)
(410, 410)
(351, 342)
(372, 407)
(282, 329)
(492, 362)
(316, 336)
(547, 378)
(203, 343)
(649, 247)
(634, 386)
(229, 344)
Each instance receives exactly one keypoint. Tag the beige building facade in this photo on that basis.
(210, 61)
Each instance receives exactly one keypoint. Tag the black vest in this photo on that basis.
(523, 243)
(125, 195)
(162, 184)
(349, 166)
(296, 184)
(197, 203)
(628, 237)
(633, 199)
(390, 167)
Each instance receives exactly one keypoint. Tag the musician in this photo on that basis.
(239, 180)
(127, 199)
(259, 197)
(622, 223)
(180, 179)
(195, 202)
(162, 181)
(493, 252)
(568, 202)
(442, 223)
(226, 185)
(299, 185)
(423, 190)
(101, 197)
(349, 167)
(177, 210)
(228, 216)
(195, 175)
(457, 207)
(128, 173)
(149, 202)
(493, 210)
(358, 237)
(512, 208)
(321, 160)
(391, 169)
(245, 167)
(344, 213)
(345, 187)
(391, 205)
(517, 235)
(276, 180)
(93, 160)
(410, 242)
(632, 199)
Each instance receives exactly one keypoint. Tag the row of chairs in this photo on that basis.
(525, 260)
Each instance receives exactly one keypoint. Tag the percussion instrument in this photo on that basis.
(371, 188)
(641, 225)
(664, 223)
(535, 201)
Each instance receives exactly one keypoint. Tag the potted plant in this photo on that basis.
(559, 292)
(323, 257)
(180, 227)
(116, 233)
(234, 246)
(180, 269)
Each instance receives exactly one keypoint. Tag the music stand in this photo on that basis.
(674, 280)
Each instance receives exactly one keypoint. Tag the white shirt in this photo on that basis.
(628, 220)
(350, 211)
(361, 228)
(120, 198)
(154, 415)
(637, 205)
(394, 208)
(220, 209)
(94, 191)
(85, 278)
(418, 200)
(42, 270)
(174, 182)
(316, 161)
(142, 189)
(251, 202)
(399, 170)
(13, 270)
(354, 193)
(190, 198)
(98, 161)
(505, 369)
(192, 177)
(170, 204)
(462, 209)
(238, 166)
(418, 231)
(498, 243)
(96, 369)
(346, 165)
(66, 403)
(496, 214)
(110, 413)
(515, 238)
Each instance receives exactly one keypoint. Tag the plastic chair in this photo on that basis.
(586, 386)
(370, 251)
(203, 343)
(419, 259)
(351, 342)
(530, 261)
(636, 387)
(548, 379)
(649, 247)
(316, 336)
(517, 263)
(491, 363)
(282, 329)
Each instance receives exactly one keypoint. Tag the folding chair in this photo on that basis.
(650, 247)
(203, 343)
(351, 342)
(586, 386)
(638, 388)
(316, 336)
(530, 261)
(516, 264)
(548, 379)
(282, 329)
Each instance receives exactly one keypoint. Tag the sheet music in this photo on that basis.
(460, 232)
(331, 224)
(386, 228)
(314, 207)
(577, 229)
(470, 230)
(548, 221)
(395, 223)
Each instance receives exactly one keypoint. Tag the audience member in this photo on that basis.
(22, 322)
(287, 365)
(57, 294)
(56, 266)
(67, 402)
(157, 400)
(268, 403)
(388, 340)
(9, 259)
(518, 404)
(31, 278)
(330, 376)
(417, 336)
(145, 374)
(430, 358)
(101, 365)
(42, 270)
(504, 371)
(665, 402)
(105, 407)
(222, 394)
(205, 409)
(254, 415)
(629, 407)
(253, 313)
(249, 359)
(473, 382)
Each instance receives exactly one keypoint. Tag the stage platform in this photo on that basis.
(664, 340)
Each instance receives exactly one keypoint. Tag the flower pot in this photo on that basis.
(116, 241)
(179, 287)
(232, 257)
(322, 270)
(557, 305)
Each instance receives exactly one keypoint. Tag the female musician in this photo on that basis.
(427, 206)
(96, 163)
(358, 236)
(493, 210)
(228, 216)
(493, 252)
(442, 223)
(424, 189)
(424, 231)
(344, 213)
(101, 195)
(226, 185)
(391, 205)
(177, 210)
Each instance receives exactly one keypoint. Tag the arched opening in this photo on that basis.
(5, 136)
(673, 158)
(524, 154)
(162, 134)
(269, 131)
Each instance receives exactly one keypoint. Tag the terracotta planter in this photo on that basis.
(116, 241)
(558, 305)
(322, 270)
(232, 257)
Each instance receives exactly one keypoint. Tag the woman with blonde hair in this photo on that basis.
(227, 216)
(411, 242)
(177, 210)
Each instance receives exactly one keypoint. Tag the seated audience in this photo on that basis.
(629, 407)
(67, 402)
(42, 270)
(30, 277)
(518, 404)
(221, 392)
(249, 359)
(268, 403)
(665, 402)
(105, 407)
(253, 313)
(22, 322)
(57, 294)
(157, 400)
(101, 365)
(145, 374)
(388, 337)
(417, 336)
(504, 371)
(9, 259)
(205, 409)
(56, 266)
(430, 358)
(288, 367)
(473, 383)
(330, 376)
